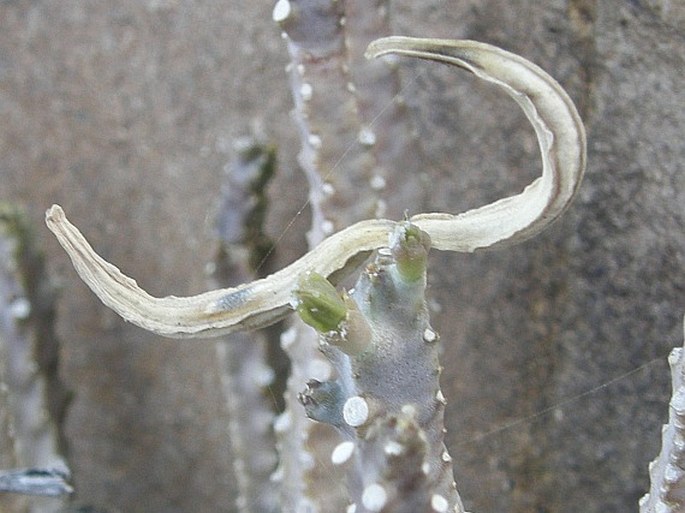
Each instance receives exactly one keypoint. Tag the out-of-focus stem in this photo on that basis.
(667, 471)
(31, 394)
(242, 357)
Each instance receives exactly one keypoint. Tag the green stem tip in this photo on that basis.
(318, 303)
(409, 246)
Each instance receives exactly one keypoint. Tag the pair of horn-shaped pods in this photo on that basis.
(561, 138)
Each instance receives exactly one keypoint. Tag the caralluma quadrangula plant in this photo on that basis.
(382, 395)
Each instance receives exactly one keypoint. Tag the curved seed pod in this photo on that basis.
(562, 143)
(558, 128)
(248, 306)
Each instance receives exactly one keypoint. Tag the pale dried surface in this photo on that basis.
(124, 112)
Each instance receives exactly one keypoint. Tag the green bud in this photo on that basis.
(318, 303)
(409, 246)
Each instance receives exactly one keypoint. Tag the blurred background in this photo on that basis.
(126, 113)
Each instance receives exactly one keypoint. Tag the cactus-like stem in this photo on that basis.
(30, 437)
(386, 399)
(246, 375)
(347, 184)
(245, 381)
(326, 115)
(353, 124)
(309, 482)
(383, 112)
(667, 471)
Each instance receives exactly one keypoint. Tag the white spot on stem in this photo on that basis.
(306, 90)
(374, 497)
(393, 448)
(281, 11)
(328, 189)
(439, 503)
(429, 335)
(263, 375)
(327, 227)
(377, 183)
(314, 141)
(288, 338)
(356, 411)
(342, 453)
(20, 308)
(366, 136)
(283, 422)
(409, 410)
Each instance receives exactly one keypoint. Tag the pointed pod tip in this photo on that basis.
(53, 212)
(384, 45)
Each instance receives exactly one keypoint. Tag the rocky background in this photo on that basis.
(126, 113)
